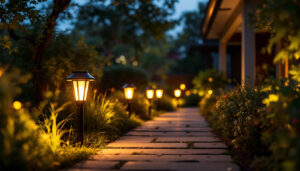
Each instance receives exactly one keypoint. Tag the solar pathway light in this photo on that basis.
(128, 92)
(80, 80)
(159, 94)
(150, 95)
(177, 94)
(182, 86)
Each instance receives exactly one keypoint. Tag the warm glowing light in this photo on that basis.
(187, 93)
(150, 93)
(159, 93)
(17, 105)
(210, 79)
(177, 93)
(210, 92)
(1, 72)
(81, 80)
(129, 92)
(182, 86)
(80, 90)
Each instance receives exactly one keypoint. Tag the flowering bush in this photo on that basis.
(260, 125)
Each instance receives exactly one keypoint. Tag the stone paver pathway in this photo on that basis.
(179, 140)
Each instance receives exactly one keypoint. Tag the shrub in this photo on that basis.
(21, 146)
(261, 125)
(191, 100)
(210, 79)
(139, 104)
(166, 103)
(107, 116)
(117, 75)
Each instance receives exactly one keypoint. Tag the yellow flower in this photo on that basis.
(270, 99)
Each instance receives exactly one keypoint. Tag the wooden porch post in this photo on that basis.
(248, 46)
(222, 57)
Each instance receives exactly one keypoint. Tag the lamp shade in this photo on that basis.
(177, 93)
(159, 93)
(128, 91)
(149, 93)
(80, 81)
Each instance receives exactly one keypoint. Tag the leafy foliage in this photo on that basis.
(104, 115)
(124, 23)
(281, 19)
(264, 120)
(210, 80)
(21, 146)
(118, 75)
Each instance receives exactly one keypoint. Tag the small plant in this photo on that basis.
(53, 130)
(107, 117)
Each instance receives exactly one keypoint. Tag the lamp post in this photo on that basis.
(149, 95)
(159, 93)
(128, 91)
(177, 94)
(81, 80)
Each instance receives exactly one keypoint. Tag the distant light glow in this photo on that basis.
(188, 93)
(159, 93)
(182, 86)
(17, 105)
(210, 79)
(177, 93)
(150, 93)
(210, 92)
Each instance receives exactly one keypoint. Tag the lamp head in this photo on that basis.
(177, 93)
(150, 92)
(128, 91)
(80, 81)
(159, 93)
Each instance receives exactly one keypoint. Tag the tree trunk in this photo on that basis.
(41, 46)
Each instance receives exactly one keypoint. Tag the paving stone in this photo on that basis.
(146, 145)
(174, 158)
(164, 151)
(173, 129)
(209, 145)
(187, 139)
(170, 134)
(139, 139)
(92, 164)
(182, 166)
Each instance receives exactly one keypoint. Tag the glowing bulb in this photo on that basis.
(210, 79)
(128, 92)
(187, 93)
(150, 93)
(17, 105)
(177, 93)
(159, 93)
(210, 92)
(182, 86)
(80, 89)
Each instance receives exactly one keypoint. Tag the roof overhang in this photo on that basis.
(221, 16)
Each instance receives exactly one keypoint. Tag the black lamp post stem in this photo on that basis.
(129, 108)
(80, 123)
(149, 107)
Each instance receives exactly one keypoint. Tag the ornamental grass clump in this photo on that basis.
(106, 116)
